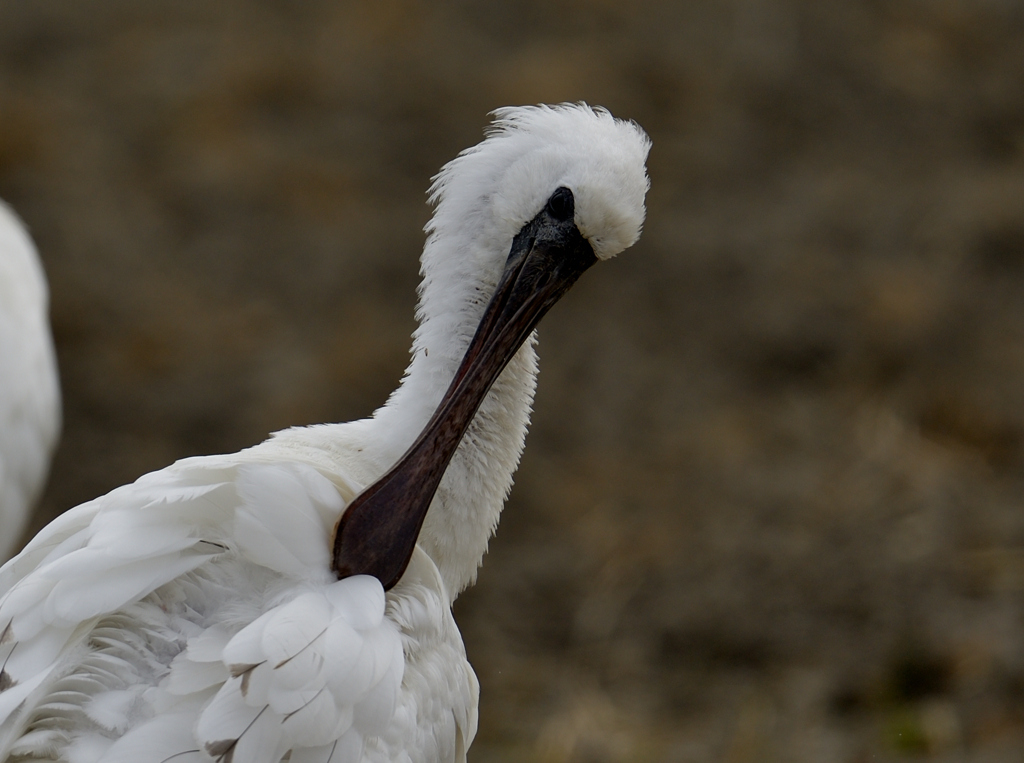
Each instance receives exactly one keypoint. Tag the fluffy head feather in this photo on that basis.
(530, 151)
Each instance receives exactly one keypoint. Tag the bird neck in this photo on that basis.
(469, 499)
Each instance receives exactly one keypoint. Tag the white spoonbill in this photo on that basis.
(268, 605)
(29, 387)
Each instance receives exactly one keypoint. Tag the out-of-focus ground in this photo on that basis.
(772, 506)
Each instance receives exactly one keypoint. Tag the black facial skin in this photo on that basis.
(377, 533)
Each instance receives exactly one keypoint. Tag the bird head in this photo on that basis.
(490, 191)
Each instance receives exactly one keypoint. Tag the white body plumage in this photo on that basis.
(29, 387)
(193, 615)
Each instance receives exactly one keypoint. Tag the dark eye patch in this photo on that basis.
(561, 205)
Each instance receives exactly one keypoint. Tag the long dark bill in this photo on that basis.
(377, 533)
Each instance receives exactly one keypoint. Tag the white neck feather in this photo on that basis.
(458, 279)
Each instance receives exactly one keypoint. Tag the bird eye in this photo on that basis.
(561, 205)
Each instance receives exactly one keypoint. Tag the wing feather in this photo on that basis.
(305, 666)
(158, 740)
(279, 525)
(126, 616)
(91, 594)
(347, 749)
(227, 728)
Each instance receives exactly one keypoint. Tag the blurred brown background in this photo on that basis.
(772, 506)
